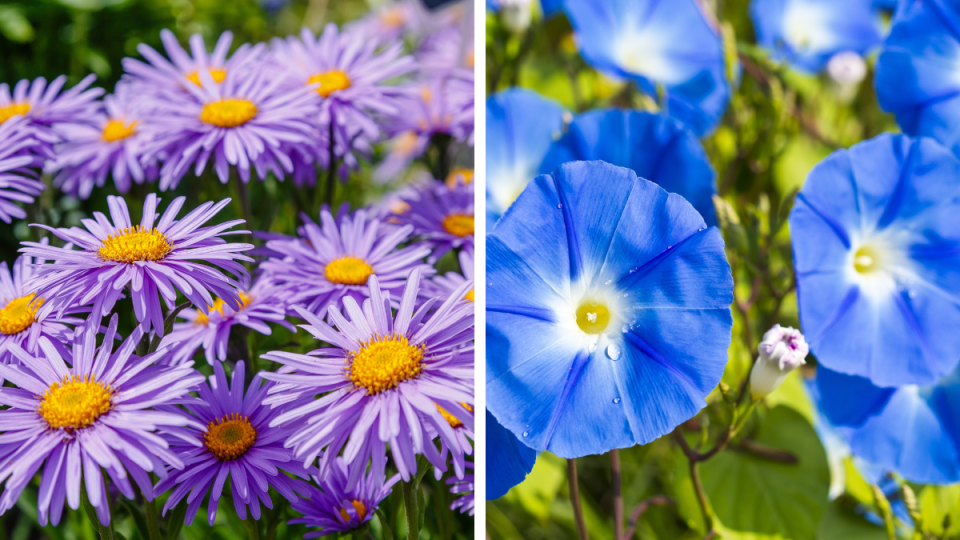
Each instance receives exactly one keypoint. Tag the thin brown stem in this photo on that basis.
(766, 452)
(575, 499)
(697, 457)
(617, 481)
(656, 500)
(701, 495)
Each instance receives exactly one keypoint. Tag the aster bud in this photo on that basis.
(781, 351)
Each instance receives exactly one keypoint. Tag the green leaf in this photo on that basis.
(541, 486)
(385, 523)
(753, 494)
(792, 394)
(840, 523)
(936, 504)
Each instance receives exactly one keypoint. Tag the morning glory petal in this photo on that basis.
(508, 460)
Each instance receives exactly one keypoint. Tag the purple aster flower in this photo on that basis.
(90, 409)
(464, 434)
(112, 145)
(175, 74)
(443, 105)
(451, 281)
(20, 154)
(246, 121)
(335, 259)
(261, 304)
(45, 108)
(448, 50)
(227, 433)
(25, 318)
(350, 72)
(385, 378)
(154, 258)
(465, 486)
(442, 216)
(347, 497)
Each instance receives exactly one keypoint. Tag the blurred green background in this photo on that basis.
(778, 125)
(76, 37)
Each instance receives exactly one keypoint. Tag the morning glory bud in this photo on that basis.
(847, 69)
(781, 351)
(516, 15)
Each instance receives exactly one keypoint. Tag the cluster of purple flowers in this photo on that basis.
(391, 376)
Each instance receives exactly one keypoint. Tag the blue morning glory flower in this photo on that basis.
(917, 72)
(911, 430)
(521, 126)
(667, 43)
(551, 6)
(657, 148)
(508, 460)
(806, 33)
(608, 311)
(876, 246)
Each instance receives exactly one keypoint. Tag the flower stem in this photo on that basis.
(617, 480)
(701, 495)
(410, 509)
(575, 499)
(153, 519)
(332, 170)
(244, 197)
(105, 531)
(252, 527)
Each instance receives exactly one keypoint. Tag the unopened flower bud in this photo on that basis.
(781, 351)
(516, 15)
(847, 69)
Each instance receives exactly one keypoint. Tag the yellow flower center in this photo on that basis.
(451, 419)
(393, 17)
(228, 113)
(229, 437)
(459, 224)
(12, 110)
(384, 362)
(866, 260)
(348, 271)
(469, 296)
(135, 244)
(19, 314)
(359, 507)
(330, 82)
(117, 130)
(203, 319)
(75, 403)
(459, 172)
(593, 317)
(218, 75)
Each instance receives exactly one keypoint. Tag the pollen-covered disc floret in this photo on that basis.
(330, 82)
(229, 437)
(12, 110)
(348, 270)
(203, 319)
(19, 314)
(117, 130)
(384, 362)
(358, 506)
(228, 113)
(218, 75)
(459, 224)
(75, 402)
(135, 244)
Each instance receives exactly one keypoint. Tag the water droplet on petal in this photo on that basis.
(616, 400)
(613, 351)
(625, 329)
(526, 433)
(560, 205)
(609, 281)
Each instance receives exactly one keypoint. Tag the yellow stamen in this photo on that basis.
(459, 173)
(348, 271)
(459, 224)
(75, 402)
(384, 362)
(451, 419)
(229, 437)
(228, 113)
(218, 75)
(19, 314)
(593, 317)
(866, 260)
(135, 244)
(330, 82)
(203, 319)
(12, 110)
(469, 296)
(117, 130)
(359, 507)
